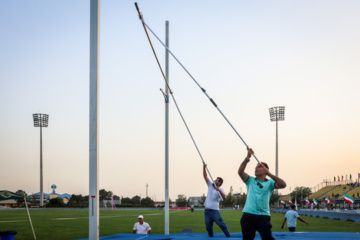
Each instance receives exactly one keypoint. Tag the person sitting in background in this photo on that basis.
(291, 217)
(141, 227)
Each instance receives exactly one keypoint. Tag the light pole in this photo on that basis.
(277, 114)
(41, 120)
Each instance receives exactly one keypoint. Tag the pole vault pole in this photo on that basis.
(152, 47)
(172, 95)
(192, 138)
(202, 89)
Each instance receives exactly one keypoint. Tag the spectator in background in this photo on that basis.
(291, 217)
(141, 227)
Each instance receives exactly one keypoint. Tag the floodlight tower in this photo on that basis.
(277, 114)
(41, 120)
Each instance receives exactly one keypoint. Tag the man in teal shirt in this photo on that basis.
(256, 213)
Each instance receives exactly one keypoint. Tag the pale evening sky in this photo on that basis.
(248, 55)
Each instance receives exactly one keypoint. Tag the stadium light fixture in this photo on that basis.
(277, 114)
(41, 120)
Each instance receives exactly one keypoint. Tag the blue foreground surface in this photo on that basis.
(276, 235)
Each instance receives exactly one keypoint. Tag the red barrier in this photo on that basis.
(179, 208)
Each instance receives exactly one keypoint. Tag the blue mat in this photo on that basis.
(276, 235)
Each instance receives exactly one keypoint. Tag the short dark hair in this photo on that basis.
(220, 180)
(293, 206)
(265, 164)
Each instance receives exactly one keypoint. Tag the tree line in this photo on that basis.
(136, 201)
(78, 200)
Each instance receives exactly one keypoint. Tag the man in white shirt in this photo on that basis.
(141, 227)
(291, 217)
(212, 212)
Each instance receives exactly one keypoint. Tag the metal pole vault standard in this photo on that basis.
(94, 121)
(204, 91)
(167, 133)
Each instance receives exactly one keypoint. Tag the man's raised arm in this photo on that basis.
(205, 174)
(243, 175)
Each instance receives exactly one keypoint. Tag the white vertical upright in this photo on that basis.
(167, 131)
(94, 121)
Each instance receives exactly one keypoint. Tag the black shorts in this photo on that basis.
(292, 229)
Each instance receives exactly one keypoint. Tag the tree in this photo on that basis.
(300, 192)
(78, 200)
(136, 200)
(126, 200)
(202, 201)
(181, 201)
(85, 201)
(75, 200)
(230, 199)
(20, 201)
(274, 198)
(105, 195)
(33, 201)
(240, 200)
(55, 202)
(147, 202)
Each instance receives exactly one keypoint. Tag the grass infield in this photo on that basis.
(73, 224)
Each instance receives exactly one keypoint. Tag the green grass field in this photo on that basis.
(73, 224)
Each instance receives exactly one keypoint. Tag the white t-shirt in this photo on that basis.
(291, 217)
(212, 197)
(142, 228)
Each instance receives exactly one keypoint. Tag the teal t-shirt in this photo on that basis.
(258, 198)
